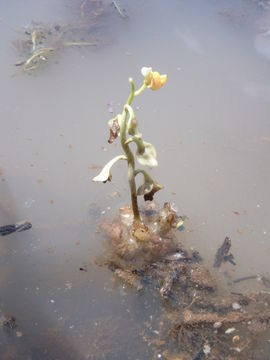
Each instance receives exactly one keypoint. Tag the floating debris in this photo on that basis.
(121, 12)
(236, 306)
(217, 325)
(40, 55)
(244, 278)
(230, 330)
(9, 322)
(177, 255)
(17, 227)
(235, 339)
(39, 42)
(206, 349)
(80, 43)
(196, 321)
(223, 254)
(264, 280)
(83, 268)
(180, 225)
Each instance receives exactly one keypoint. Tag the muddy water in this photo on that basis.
(210, 125)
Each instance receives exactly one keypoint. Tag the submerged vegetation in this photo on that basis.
(38, 44)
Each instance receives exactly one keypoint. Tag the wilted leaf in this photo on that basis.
(148, 190)
(145, 188)
(150, 195)
(148, 157)
(105, 174)
(149, 187)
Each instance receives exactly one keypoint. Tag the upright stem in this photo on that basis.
(130, 157)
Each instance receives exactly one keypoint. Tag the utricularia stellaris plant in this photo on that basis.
(126, 126)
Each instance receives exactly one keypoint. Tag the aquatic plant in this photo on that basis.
(126, 127)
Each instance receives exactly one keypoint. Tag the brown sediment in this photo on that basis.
(194, 313)
(129, 278)
(201, 277)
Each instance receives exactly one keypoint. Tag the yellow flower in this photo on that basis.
(153, 79)
(158, 80)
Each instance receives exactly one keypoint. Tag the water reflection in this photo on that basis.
(190, 41)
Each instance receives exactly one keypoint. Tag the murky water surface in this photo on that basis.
(210, 125)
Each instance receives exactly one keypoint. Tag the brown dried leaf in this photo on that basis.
(114, 130)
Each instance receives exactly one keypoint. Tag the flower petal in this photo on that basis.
(105, 174)
(147, 73)
(158, 80)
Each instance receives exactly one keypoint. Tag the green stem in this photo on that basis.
(147, 177)
(132, 94)
(130, 157)
(140, 90)
(138, 141)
